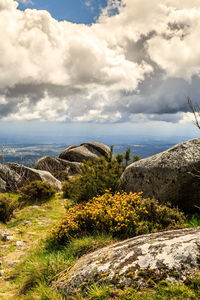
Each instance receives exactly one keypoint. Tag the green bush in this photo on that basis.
(61, 174)
(136, 158)
(121, 215)
(7, 207)
(159, 217)
(36, 192)
(96, 177)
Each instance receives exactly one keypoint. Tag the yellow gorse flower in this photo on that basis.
(122, 214)
(110, 213)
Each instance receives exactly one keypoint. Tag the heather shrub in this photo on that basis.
(7, 207)
(36, 192)
(121, 215)
(96, 177)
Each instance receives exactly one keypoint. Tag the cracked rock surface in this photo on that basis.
(169, 255)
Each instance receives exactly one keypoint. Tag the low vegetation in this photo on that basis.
(161, 291)
(193, 220)
(122, 215)
(38, 271)
(36, 192)
(34, 277)
(96, 214)
(97, 176)
(7, 207)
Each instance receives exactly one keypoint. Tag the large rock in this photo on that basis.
(86, 151)
(2, 186)
(170, 176)
(56, 165)
(9, 179)
(100, 147)
(28, 174)
(170, 255)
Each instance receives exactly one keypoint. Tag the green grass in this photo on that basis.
(102, 292)
(168, 292)
(40, 268)
(32, 278)
(30, 233)
(193, 220)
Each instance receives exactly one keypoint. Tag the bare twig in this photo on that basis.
(197, 207)
(195, 110)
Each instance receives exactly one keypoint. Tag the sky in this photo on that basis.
(76, 11)
(99, 67)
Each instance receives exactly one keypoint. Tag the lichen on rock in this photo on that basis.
(170, 255)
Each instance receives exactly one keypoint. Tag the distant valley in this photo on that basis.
(27, 154)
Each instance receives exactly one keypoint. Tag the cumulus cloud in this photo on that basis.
(138, 61)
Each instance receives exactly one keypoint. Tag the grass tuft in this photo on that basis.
(42, 265)
(193, 220)
(99, 292)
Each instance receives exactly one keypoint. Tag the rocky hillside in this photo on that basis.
(80, 247)
(51, 169)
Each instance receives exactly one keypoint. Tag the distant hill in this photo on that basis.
(28, 154)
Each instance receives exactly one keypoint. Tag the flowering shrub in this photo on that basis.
(96, 176)
(121, 214)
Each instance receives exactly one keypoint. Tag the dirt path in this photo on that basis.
(21, 234)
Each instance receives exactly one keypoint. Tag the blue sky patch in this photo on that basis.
(77, 11)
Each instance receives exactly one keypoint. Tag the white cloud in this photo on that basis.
(143, 60)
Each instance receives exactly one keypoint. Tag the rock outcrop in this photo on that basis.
(28, 174)
(2, 186)
(170, 176)
(170, 255)
(9, 179)
(56, 165)
(86, 151)
(100, 147)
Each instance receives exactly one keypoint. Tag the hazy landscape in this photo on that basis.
(28, 154)
(28, 149)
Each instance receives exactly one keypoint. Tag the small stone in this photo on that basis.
(20, 243)
(33, 207)
(3, 231)
(5, 237)
(27, 222)
(23, 255)
(12, 263)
